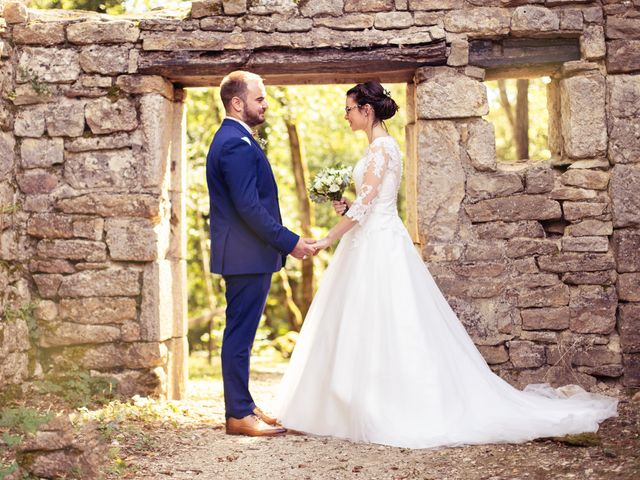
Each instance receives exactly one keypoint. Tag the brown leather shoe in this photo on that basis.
(264, 417)
(252, 426)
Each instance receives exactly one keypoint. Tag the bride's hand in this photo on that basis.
(341, 206)
(322, 244)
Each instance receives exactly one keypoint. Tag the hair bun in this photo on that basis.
(372, 93)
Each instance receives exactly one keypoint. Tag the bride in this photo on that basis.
(381, 356)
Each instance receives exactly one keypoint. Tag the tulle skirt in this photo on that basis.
(383, 358)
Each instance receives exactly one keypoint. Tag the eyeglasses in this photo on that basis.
(348, 109)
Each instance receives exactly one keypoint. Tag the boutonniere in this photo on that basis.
(261, 141)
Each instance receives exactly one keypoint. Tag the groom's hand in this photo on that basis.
(304, 248)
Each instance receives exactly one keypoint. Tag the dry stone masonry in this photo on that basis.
(540, 259)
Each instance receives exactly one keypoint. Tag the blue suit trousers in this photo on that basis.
(246, 298)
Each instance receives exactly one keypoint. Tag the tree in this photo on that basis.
(520, 121)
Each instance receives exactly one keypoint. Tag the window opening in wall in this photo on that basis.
(519, 113)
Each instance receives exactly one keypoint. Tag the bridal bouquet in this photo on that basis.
(330, 183)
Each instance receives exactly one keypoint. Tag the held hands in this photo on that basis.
(306, 247)
(341, 206)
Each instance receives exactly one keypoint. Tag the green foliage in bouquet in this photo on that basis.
(330, 183)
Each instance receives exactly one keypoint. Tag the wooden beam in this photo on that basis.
(285, 67)
(522, 57)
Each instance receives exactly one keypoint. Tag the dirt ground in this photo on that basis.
(196, 447)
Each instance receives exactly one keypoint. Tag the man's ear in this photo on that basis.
(237, 104)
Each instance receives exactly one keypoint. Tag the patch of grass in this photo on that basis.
(586, 439)
(23, 419)
(7, 469)
(78, 388)
(25, 313)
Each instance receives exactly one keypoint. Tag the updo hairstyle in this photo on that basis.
(374, 94)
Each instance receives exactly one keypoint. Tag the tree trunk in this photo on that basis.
(520, 120)
(521, 126)
(211, 298)
(300, 173)
(296, 318)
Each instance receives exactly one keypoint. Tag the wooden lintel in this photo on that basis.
(285, 67)
(522, 57)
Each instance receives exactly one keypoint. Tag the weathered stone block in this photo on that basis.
(112, 205)
(145, 355)
(624, 188)
(220, 24)
(545, 318)
(623, 28)
(29, 122)
(624, 95)
(156, 311)
(72, 250)
(514, 208)
(48, 285)
(156, 113)
(535, 280)
(481, 145)
(132, 239)
(49, 65)
(586, 179)
(98, 310)
(459, 53)
(50, 225)
(15, 12)
(7, 153)
(494, 355)
(526, 354)
(312, 8)
(234, 7)
(66, 118)
(592, 43)
(585, 244)
(368, 5)
(576, 262)
(629, 287)
(101, 283)
(390, 20)
(530, 20)
(605, 277)
(64, 334)
(478, 21)
(626, 249)
(623, 56)
(525, 247)
(206, 8)
(106, 60)
(631, 363)
(500, 229)
(624, 140)
(51, 266)
(629, 327)
(583, 115)
(351, 21)
(105, 116)
(539, 180)
(589, 227)
(571, 19)
(479, 269)
(96, 31)
(102, 142)
(41, 152)
(105, 168)
(599, 361)
(142, 84)
(37, 181)
(555, 296)
(440, 179)
(39, 33)
(447, 94)
(578, 210)
(295, 24)
(561, 192)
(480, 187)
(593, 309)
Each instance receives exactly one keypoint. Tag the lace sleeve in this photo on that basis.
(376, 165)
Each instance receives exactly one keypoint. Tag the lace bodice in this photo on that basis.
(377, 177)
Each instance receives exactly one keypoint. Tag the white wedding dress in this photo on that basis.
(383, 358)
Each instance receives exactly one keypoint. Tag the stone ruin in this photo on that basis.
(541, 260)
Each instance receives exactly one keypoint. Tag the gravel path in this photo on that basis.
(196, 447)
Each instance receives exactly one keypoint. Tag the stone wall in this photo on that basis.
(540, 260)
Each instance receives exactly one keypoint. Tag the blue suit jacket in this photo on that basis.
(247, 235)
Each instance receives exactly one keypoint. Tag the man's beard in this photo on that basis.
(252, 119)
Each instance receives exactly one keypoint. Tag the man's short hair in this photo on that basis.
(235, 85)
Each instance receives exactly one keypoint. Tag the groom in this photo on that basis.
(248, 241)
